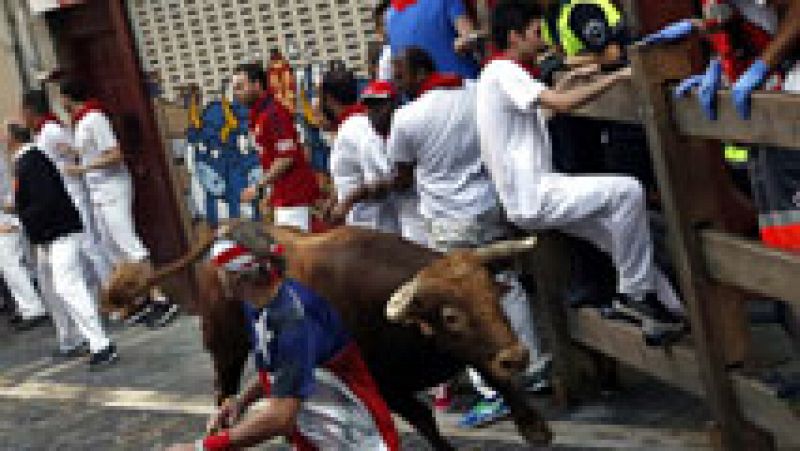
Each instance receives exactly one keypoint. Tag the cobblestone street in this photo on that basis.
(159, 393)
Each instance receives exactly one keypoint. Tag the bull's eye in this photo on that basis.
(454, 319)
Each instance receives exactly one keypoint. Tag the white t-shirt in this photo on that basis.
(515, 143)
(54, 140)
(438, 133)
(353, 164)
(93, 136)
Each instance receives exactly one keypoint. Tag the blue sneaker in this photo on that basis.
(485, 412)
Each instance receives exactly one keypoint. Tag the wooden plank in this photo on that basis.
(775, 120)
(752, 266)
(762, 407)
(618, 104)
(678, 366)
(681, 190)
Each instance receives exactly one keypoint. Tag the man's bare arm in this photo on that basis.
(276, 419)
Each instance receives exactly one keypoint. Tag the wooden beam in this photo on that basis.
(618, 104)
(752, 266)
(775, 120)
(677, 366)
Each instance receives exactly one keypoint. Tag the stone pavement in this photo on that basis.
(159, 393)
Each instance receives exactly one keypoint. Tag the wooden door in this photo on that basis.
(95, 44)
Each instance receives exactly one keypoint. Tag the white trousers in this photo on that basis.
(73, 309)
(412, 224)
(298, 217)
(17, 276)
(607, 211)
(116, 228)
(93, 251)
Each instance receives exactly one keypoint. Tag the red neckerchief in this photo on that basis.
(89, 106)
(258, 107)
(529, 68)
(42, 121)
(438, 80)
(400, 5)
(350, 111)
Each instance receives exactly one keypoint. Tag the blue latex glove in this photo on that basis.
(745, 86)
(687, 85)
(707, 93)
(671, 32)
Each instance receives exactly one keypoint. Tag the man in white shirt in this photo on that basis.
(55, 140)
(30, 309)
(516, 148)
(111, 192)
(356, 161)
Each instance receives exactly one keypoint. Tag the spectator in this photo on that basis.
(50, 220)
(607, 211)
(441, 27)
(30, 308)
(111, 193)
(288, 176)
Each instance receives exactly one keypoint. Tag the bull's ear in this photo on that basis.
(505, 249)
(398, 306)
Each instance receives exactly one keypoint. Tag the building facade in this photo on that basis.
(185, 42)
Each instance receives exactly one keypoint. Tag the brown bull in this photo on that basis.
(445, 315)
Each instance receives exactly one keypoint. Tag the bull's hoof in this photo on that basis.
(538, 434)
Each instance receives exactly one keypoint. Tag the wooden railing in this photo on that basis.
(714, 265)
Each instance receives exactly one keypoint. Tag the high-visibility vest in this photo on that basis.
(565, 36)
(736, 154)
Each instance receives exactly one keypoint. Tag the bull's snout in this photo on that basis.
(512, 361)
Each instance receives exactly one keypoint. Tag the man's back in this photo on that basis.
(430, 24)
(438, 133)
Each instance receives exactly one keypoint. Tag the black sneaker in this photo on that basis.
(659, 325)
(106, 357)
(23, 324)
(80, 350)
(162, 314)
(139, 316)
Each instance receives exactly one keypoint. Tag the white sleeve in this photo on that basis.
(345, 166)
(401, 146)
(103, 133)
(521, 90)
(385, 69)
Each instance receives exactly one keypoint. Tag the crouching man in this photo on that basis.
(318, 388)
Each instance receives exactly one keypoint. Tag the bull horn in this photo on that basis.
(505, 249)
(401, 300)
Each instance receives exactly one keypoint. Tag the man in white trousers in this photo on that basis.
(111, 193)
(30, 309)
(608, 211)
(50, 220)
(55, 140)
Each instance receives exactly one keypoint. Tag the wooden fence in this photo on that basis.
(716, 268)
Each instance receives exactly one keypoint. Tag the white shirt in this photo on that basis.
(94, 135)
(54, 140)
(515, 143)
(352, 166)
(385, 68)
(438, 133)
(6, 192)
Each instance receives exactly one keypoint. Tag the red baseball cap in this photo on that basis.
(379, 90)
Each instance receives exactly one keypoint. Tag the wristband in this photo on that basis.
(218, 442)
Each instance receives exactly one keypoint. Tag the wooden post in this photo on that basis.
(550, 267)
(682, 168)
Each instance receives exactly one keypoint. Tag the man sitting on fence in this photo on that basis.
(607, 211)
